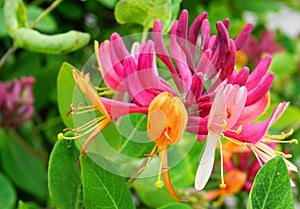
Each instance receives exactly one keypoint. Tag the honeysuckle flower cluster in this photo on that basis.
(223, 111)
(16, 104)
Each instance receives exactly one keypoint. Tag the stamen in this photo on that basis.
(253, 149)
(222, 185)
(61, 136)
(237, 142)
(280, 137)
(89, 124)
(284, 155)
(293, 141)
(107, 92)
(168, 137)
(237, 131)
(159, 182)
(223, 125)
(83, 109)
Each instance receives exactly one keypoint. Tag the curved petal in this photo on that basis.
(243, 36)
(260, 90)
(235, 97)
(255, 132)
(111, 77)
(117, 108)
(207, 161)
(252, 112)
(180, 59)
(260, 70)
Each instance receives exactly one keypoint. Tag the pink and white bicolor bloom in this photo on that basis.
(226, 123)
(225, 112)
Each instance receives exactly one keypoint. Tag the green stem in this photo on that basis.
(10, 51)
(144, 34)
(45, 13)
(26, 146)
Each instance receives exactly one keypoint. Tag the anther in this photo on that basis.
(284, 155)
(223, 186)
(294, 141)
(159, 183)
(60, 136)
(281, 136)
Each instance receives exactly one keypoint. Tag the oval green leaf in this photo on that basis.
(26, 171)
(143, 12)
(8, 195)
(102, 189)
(271, 187)
(64, 176)
(65, 89)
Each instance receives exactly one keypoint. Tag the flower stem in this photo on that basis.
(10, 51)
(45, 13)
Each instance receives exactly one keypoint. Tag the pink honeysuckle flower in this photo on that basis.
(16, 104)
(216, 63)
(225, 107)
(225, 112)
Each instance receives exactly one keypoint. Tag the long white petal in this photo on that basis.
(207, 161)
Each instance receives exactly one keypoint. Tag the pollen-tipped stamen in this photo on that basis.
(78, 109)
(222, 185)
(159, 183)
(105, 91)
(87, 126)
(281, 136)
(284, 155)
(292, 141)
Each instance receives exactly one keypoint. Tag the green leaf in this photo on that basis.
(279, 66)
(47, 24)
(3, 30)
(22, 205)
(35, 41)
(25, 170)
(108, 3)
(14, 15)
(167, 24)
(102, 189)
(143, 12)
(65, 89)
(8, 194)
(271, 187)
(175, 206)
(64, 176)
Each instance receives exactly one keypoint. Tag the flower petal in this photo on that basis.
(207, 161)
(255, 132)
(252, 112)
